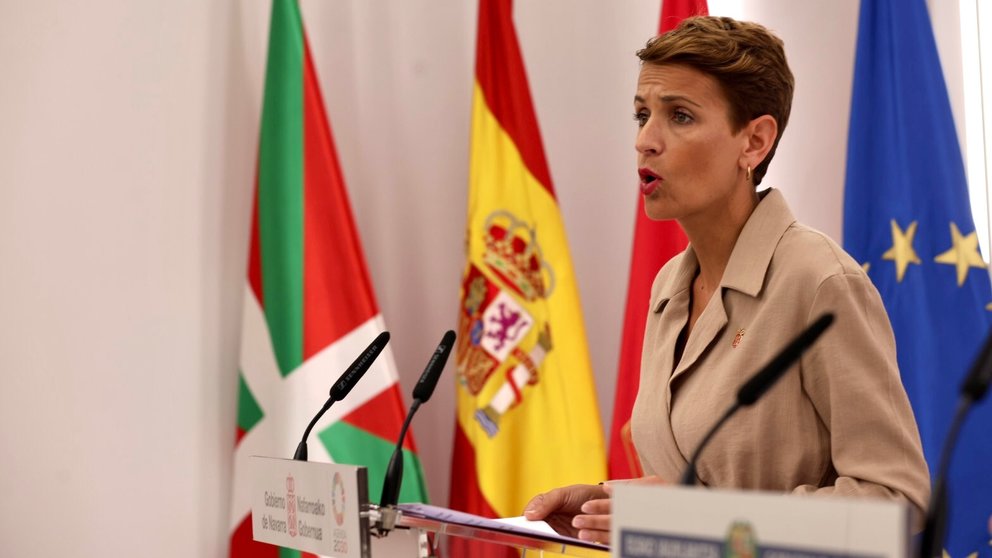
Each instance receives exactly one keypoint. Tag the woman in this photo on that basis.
(713, 98)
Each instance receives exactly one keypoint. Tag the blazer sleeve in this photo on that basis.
(852, 377)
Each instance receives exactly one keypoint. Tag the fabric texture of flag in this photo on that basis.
(527, 418)
(655, 242)
(908, 219)
(309, 308)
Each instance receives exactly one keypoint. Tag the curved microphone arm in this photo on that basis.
(689, 476)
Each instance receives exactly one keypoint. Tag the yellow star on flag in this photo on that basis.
(902, 251)
(963, 254)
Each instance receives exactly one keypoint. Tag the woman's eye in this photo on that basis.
(641, 118)
(681, 117)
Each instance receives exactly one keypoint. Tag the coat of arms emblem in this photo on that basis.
(498, 333)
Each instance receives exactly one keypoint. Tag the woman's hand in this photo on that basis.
(594, 521)
(581, 510)
(559, 507)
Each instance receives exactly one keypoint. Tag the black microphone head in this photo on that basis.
(977, 382)
(753, 389)
(428, 380)
(358, 368)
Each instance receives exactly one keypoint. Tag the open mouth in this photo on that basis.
(649, 181)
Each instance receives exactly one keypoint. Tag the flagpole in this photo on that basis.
(981, 101)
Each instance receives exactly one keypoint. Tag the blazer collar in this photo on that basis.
(751, 255)
(688, 264)
(756, 244)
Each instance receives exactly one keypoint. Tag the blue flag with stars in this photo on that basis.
(907, 218)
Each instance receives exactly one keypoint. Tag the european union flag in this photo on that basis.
(907, 218)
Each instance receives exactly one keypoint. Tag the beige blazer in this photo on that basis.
(839, 422)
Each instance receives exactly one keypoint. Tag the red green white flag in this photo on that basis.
(309, 308)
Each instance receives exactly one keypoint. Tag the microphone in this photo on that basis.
(762, 381)
(421, 393)
(974, 388)
(977, 382)
(432, 372)
(343, 386)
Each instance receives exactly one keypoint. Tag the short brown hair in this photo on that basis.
(747, 60)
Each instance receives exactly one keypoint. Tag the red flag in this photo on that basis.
(655, 242)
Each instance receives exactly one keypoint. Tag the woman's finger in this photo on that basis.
(567, 499)
(597, 507)
(591, 522)
(602, 537)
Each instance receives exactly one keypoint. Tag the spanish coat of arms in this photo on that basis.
(494, 322)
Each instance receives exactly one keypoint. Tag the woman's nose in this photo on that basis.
(648, 140)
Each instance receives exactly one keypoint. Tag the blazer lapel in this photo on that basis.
(745, 272)
(710, 323)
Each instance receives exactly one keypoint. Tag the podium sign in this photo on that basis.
(671, 522)
(314, 507)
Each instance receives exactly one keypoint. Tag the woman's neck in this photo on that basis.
(714, 235)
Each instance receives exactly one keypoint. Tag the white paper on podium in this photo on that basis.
(524, 523)
(516, 525)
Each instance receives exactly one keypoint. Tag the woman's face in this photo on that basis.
(689, 158)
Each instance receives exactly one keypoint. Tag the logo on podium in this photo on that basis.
(338, 499)
(291, 505)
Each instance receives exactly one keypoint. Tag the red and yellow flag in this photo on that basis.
(528, 419)
(655, 242)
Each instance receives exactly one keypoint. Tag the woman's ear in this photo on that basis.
(760, 135)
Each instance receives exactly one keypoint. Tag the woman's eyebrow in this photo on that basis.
(683, 98)
(670, 99)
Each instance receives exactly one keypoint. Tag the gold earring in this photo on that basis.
(747, 175)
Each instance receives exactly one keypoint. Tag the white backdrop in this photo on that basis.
(127, 151)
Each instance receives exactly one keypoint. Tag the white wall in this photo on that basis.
(122, 216)
(127, 146)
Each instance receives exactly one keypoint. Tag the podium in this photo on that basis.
(324, 508)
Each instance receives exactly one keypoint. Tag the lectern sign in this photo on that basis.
(314, 507)
(677, 522)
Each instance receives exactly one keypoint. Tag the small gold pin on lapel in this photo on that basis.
(737, 338)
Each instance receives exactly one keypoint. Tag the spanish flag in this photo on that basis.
(528, 419)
